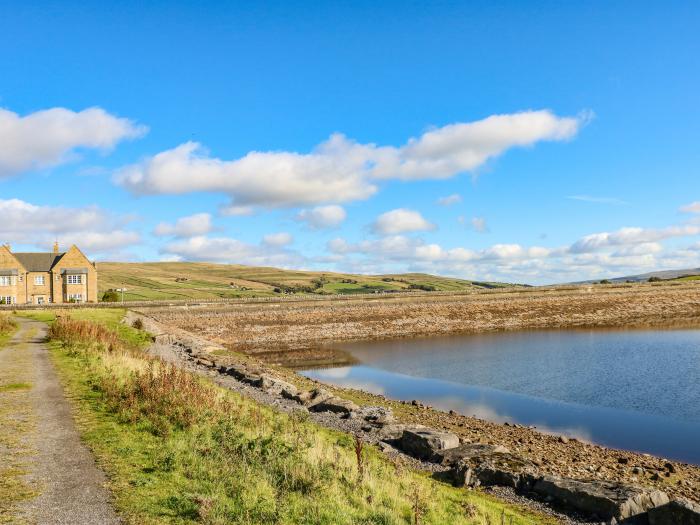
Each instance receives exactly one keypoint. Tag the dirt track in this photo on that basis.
(272, 327)
(71, 489)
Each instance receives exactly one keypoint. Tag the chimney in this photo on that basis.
(55, 247)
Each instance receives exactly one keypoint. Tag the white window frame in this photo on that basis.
(39, 280)
(73, 278)
(77, 297)
(9, 299)
(7, 280)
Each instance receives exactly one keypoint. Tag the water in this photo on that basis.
(637, 390)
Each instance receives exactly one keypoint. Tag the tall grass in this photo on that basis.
(7, 325)
(180, 449)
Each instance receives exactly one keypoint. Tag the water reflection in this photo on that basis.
(634, 390)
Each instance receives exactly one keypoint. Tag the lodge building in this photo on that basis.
(46, 277)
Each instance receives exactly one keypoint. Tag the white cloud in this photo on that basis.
(91, 228)
(278, 239)
(339, 169)
(50, 137)
(322, 217)
(628, 236)
(693, 207)
(197, 224)
(598, 200)
(401, 220)
(624, 252)
(479, 224)
(232, 251)
(455, 198)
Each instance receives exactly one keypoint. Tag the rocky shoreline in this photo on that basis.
(519, 462)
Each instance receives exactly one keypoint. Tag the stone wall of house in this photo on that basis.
(74, 258)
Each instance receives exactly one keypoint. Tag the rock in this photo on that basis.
(605, 500)
(482, 464)
(336, 405)
(273, 384)
(452, 456)
(563, 439)
(675, 512)
(379, 416)
(311, 397)
(425, 443)
(637, 470)
(392, 432)
(669, 466)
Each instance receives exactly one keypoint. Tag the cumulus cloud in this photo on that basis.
(92, 228)
(623, 252)
(232, 251)
(479, 224)
(450, 200)
(278, 239)
(50, 137)
(197, 224)
(693, 207)
(401, 220)
(339, 169)
(322, 217)
(630, 236)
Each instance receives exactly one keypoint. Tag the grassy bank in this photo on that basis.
(178, 449)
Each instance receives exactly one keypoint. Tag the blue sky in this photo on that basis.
(330, 135)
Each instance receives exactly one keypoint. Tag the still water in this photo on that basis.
(637, 390)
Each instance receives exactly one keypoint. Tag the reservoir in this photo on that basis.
(631, 389)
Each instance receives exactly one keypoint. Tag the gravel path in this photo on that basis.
(72, 488)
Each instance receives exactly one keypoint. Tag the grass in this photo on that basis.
(7, 328)
(179, 449)
(172, 281)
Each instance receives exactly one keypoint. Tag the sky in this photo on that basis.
(532, 142)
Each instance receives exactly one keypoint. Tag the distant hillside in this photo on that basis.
(169, 281)
(666, 275)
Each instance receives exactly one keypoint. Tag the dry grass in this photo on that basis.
(303, 324)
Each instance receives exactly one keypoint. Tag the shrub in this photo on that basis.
(6, 324)
(654, 279)
(110, 296)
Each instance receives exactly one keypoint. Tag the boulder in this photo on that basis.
(311, 397)
(273, 384)
(452, 456)
(336, 405)
(392, 432)
(501, 469)
(675, 512)
(378, 416)
(425, 443)
(602, 499)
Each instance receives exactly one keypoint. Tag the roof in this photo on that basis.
(38, 262)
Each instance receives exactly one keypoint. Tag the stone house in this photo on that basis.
(42, 278)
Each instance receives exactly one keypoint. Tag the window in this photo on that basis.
(75, 298)
(9, 299)
(39, 280)
(75, 279)
(6, 280)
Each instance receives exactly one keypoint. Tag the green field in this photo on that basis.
(172, 281)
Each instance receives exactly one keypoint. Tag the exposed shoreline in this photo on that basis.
(614, 307)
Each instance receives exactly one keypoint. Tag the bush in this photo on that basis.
(604, 281)
(138, 324)
(655, 279)
(424, 287)
(6, 324)
(110, 296)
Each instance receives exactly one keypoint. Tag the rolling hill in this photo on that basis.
(176, 280)
(665, 275)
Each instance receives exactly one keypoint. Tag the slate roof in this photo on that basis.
(38, 262)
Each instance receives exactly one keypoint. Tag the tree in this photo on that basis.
(110, 296)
